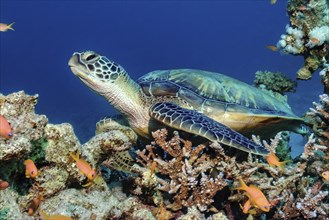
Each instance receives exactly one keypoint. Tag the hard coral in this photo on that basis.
(173, 179)
(18, 109)
(197, 177)
(275, 81)
(110, 145)
(311, 205)
(187, 171)
(307, 34)
(318, 117)
(324, 73)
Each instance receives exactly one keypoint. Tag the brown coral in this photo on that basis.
(193, 176)
(186, 171)
(318, 117)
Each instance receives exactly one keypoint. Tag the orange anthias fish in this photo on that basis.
(3, 184)
(31, 170)
(315, 40)
(45, 216)
(272, 47)
(84, 167)
(255, 197)
(273, 160)
(246, 208)
(34, 205)
(5, 128)
(153, 167)
(5, 27)
(302, 8)
(325, 175)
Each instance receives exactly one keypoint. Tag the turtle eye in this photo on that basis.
(90, 57)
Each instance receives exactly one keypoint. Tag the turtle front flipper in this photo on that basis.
(193, 122)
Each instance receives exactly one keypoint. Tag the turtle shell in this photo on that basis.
(236, 104)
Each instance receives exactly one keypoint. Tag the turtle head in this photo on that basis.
(96, 71)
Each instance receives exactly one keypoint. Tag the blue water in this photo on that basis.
(229, 37)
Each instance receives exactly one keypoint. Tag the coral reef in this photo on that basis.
(276, 84)
(311, 205)
(189, 178)
(96, 205)
(9, 208)
(318, 118)
(325, 78)
(307, 34)
(56, 187)
(182, 170)
(174, 176)
(171, 178)
(18, 109)
(274, 81)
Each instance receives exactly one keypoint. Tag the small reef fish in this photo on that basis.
(3, 184)
(273, 2)
(34, 205)
(302, 8)
(84, 167)
(246, 208)
(31, 170)
(325, 175)
(153, 167)
(315, 40)
(272, 47)
(255, 197)
(5, 128)
(5, 27)
(273, 160)
(45, 216)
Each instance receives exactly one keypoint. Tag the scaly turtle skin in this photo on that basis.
(207, 104)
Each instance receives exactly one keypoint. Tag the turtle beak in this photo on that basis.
(74, 60)
(76, 67)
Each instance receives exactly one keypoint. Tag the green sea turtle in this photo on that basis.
(211, 105)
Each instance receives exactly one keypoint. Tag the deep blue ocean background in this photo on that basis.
(229, 37)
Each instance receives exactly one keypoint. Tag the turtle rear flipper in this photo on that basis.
(196, 123)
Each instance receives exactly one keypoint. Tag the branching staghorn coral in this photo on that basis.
(183, 172)
(318, 117)
(311, 205)
(324, 73)
(187, 171)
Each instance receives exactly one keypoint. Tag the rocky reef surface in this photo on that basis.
(307, 35)
(170, 178)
